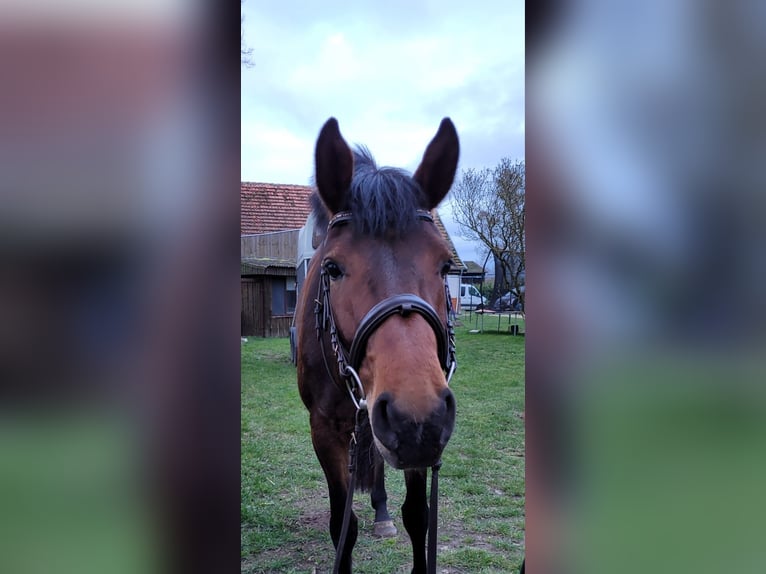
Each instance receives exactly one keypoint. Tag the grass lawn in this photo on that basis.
(285, 508)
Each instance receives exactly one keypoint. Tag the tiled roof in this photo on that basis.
(473, 268)
(267, 207)
(458, 263)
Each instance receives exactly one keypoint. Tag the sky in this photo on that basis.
(389, 72)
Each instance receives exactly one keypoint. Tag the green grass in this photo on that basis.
(69, 498)
(285, 509)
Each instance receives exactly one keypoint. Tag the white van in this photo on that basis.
(470, 297)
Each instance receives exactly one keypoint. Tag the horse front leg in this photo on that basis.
(383, 525)
(338, 492)
(333, 456)
(415, 517)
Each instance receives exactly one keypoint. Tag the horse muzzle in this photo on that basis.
(406, 441)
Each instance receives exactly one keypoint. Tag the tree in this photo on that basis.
(244, 52)
(489, 205)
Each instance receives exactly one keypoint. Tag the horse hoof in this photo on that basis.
(384, 529)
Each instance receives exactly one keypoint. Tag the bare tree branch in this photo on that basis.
(490, 206)
(244, 52)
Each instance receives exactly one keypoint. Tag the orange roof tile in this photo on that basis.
(458, 264)
(267, 207)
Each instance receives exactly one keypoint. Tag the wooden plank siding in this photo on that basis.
(282, 245)
(256, 316)
(279, 326)
(254, 312)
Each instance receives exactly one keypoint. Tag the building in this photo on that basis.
(275, 247)
(474, 274)
(270, 218)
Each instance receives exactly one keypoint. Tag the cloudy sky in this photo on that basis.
(389, 71)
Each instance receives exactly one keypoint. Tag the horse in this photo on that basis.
(375, 343)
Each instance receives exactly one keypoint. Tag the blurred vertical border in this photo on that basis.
(646, 406)
(119, 298)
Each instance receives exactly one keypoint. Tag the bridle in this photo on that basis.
(349, 362)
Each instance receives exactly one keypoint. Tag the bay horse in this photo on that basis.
(375, 341)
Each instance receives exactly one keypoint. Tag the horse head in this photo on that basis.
(385, 265)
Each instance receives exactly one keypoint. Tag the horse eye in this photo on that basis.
(446, 268)
(333, 270)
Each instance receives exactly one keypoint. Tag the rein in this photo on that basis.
(349, 362)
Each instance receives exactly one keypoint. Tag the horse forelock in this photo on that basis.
(383, 200)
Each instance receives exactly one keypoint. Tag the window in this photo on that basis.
(290, 294)
(283, 295)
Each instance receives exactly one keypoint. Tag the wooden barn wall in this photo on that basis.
(256, 317)
(256, 292)
(280, 325)
(280, 245)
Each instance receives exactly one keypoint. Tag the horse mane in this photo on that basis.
(383, 200)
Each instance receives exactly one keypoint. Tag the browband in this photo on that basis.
(346, 216)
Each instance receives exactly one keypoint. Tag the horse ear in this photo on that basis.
(437, 170)
(334, 166)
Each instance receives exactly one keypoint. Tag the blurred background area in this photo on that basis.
(119, 210)
(646, 316)
(119, 359)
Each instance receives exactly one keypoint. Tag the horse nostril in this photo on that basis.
(449, 402)
(382, 425)
(448, 422)
(382, 411)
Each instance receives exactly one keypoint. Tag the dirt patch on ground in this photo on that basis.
(315, 519)
(312, 552)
